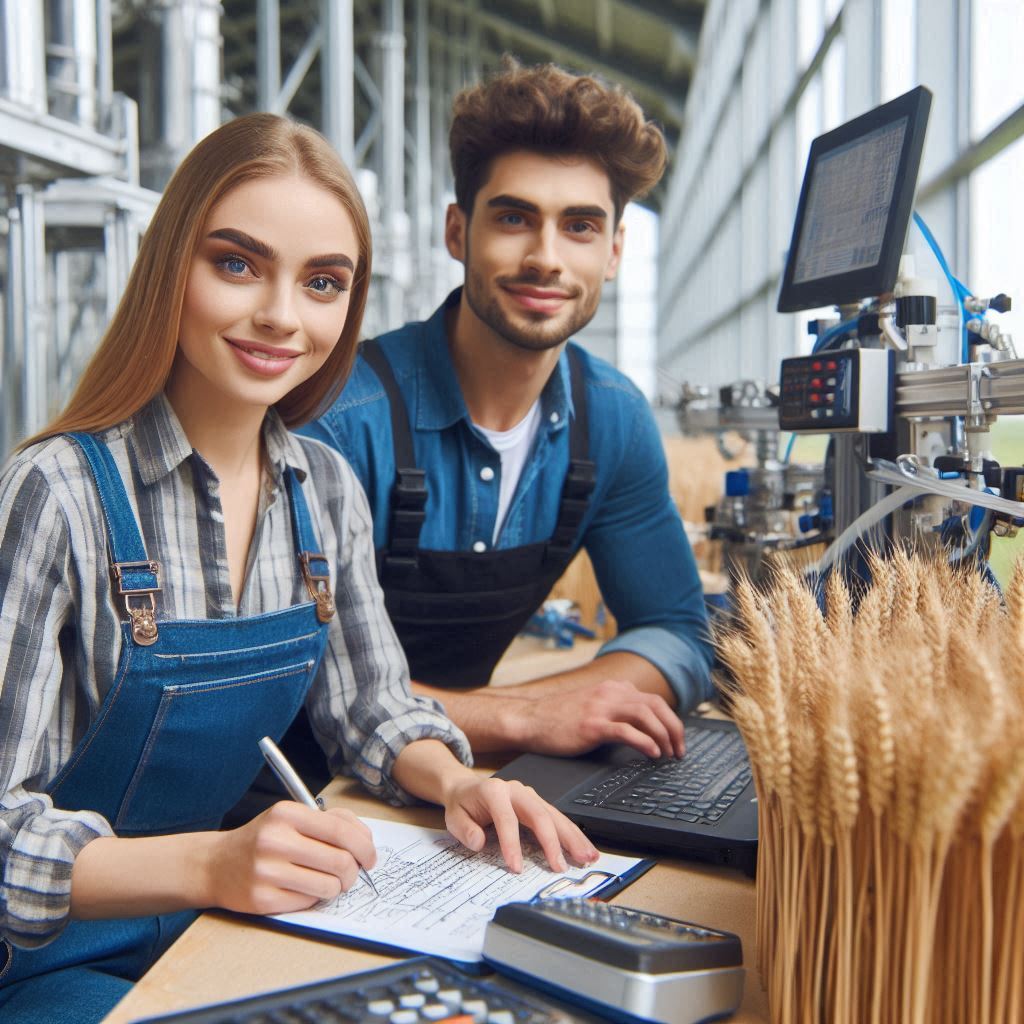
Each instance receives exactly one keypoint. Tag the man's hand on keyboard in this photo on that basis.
(574, 721)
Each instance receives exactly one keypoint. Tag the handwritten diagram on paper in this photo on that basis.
(436, 896)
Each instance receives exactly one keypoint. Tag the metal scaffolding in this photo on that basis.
(101, 99)
(71, 208)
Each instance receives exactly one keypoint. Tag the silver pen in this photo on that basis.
(297, 790)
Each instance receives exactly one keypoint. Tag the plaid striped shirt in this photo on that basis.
(60, 634)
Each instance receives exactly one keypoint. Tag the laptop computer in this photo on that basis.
(703, 806)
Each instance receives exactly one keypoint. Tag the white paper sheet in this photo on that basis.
(436, 896)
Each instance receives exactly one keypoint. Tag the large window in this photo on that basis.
(997, 73)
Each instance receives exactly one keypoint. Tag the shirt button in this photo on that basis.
(487, 473)
(479, 546)
(554, 417)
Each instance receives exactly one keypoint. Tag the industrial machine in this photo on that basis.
(775, 509)
(905, 389)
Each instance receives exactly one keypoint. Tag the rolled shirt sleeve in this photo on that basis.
(38, 843)
(361, 707)
(645, 568)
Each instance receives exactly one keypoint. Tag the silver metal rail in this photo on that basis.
(978, 391)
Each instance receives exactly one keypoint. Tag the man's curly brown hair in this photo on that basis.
(548, 110)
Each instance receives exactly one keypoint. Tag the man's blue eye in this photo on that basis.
(515, 219)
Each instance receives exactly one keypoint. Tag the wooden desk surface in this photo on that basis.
(222, 958)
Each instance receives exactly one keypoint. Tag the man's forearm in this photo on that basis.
(623, 665)
(496, 719)
(491, 718)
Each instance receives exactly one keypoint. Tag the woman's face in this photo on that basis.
(267, 294)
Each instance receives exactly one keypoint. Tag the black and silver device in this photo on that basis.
(615, 961)
(702, 806)
(855, 205)
(850, 390)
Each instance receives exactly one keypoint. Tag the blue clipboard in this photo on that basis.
(596, 884)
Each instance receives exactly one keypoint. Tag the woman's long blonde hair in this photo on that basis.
(134, 359)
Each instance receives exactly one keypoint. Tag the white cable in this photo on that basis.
(906, 473)
(864, 522)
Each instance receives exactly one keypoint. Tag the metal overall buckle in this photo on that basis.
(142, 616)
(318, 585)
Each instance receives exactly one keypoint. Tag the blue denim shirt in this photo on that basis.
(632, 530)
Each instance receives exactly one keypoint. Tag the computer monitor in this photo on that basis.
(855, 205)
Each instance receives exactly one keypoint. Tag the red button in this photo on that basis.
(815, 382)
(815, 397)
(816, 366)
(830, 365)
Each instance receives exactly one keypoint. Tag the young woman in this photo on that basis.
(179, 574)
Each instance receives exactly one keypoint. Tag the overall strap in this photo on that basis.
(315, 569)
(409, 495)
(135, 575)
(582, 473)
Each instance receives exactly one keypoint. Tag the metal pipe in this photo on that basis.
(336, 61)
(423, 208)
(24, 53)
(268, 53)
(30, 327)
(391, 43)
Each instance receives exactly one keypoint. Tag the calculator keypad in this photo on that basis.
(416, 993)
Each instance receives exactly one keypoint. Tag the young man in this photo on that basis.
(491, 451)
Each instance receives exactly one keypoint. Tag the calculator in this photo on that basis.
(618, 962)
(421, 990)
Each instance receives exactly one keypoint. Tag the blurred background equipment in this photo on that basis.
(905, 394)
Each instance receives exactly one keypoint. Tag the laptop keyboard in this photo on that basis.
(700, 788)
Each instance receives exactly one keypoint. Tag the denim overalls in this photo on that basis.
(173, 746)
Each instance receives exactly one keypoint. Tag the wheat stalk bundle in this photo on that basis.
(887, 739)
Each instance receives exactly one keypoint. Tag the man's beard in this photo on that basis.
(539, 337)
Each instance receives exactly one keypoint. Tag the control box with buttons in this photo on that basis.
(847, 390)
(617, 961)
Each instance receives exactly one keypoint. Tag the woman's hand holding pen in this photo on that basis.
(288, 858)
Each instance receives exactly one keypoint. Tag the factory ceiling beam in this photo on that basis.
(657, 95)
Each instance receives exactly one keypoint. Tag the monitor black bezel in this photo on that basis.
(853, 285)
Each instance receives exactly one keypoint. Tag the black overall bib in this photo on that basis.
(456, 612)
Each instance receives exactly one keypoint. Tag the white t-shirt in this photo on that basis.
(513, 446)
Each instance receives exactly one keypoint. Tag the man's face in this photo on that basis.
(538, 247)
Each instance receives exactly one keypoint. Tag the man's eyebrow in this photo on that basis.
(336, 259)
(244, 241)
(514, 203)
(585, 211)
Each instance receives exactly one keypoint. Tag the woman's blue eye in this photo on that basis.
(233, 265)
(326, 285)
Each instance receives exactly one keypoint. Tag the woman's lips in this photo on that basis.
(262, 359)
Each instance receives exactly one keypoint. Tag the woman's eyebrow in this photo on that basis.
(264, 251)
(336, 259)
(244, 241)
